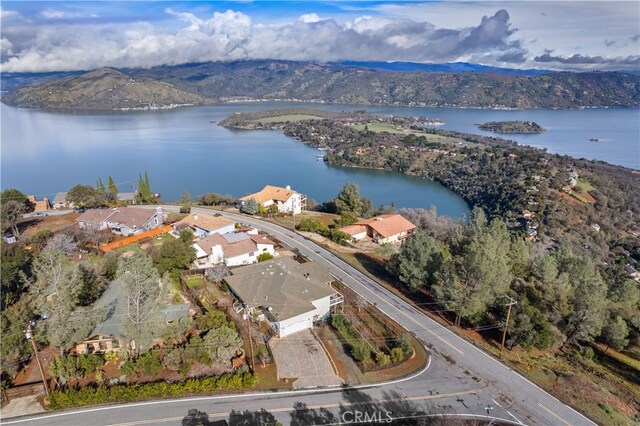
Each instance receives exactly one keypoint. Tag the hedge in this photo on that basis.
(90, 395)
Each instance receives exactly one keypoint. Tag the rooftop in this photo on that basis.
(388, 224)
(271, 192)
(205, 221)
(354, 229)
(282, 285)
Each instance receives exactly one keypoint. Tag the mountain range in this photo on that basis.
(368, 83)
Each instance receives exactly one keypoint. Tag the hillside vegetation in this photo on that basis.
(336, 83)
(102, 89)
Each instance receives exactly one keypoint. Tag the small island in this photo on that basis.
(512, 127)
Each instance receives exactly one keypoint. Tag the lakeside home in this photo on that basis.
(383, 229)
(204, 225)
(286, 199)
(122, 220)
(232, 249)
(290, 296)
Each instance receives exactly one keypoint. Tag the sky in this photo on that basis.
(556, 35)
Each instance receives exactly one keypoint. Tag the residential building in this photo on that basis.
(122, 220)
(204, 225)
(286, 199)
(388, 228)
(109, 335)
(357, 232)
(291, 296)
(40, 205)
(232, 249)
(60, 201)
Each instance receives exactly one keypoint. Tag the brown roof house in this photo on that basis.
(388, 228)
(290, 296)
(122, 220)
(232, 249)
(357, 232)
(205, 224)
(286, 199)
(40, 205)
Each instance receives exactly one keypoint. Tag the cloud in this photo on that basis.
(629, 62)
(55, 44)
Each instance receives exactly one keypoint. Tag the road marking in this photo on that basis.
(554, 414)
(496, 402)
(517, 419)
(311, 407)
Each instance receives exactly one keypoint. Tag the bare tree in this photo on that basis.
(63, 242)
(217, 272)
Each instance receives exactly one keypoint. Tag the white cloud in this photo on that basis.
(231, 35)
(309, 17)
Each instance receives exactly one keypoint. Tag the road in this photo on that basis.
(461, 378)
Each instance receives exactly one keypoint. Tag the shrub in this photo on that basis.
(265, 256)
(89, 395)
(173, 359)
(404, 343)
(382, 359)
(397, 355)
(312, 225)
(360, 351)
(185, 209)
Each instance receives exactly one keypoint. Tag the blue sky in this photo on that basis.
(51, 36)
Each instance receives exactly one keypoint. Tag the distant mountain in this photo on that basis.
(451, 67)
(102, 89)
(327, 82)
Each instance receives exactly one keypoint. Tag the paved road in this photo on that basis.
(461, 379)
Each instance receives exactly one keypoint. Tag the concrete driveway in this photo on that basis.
(300, 356)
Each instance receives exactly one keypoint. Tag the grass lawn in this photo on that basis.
(384, 127)
(131, 247)
(268, 378)
(157, 241)
(584, 185)
(290, 118)
(195, 281)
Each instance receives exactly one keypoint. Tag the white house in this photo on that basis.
(290, 295)
(286, 199)
(122, 220)
(232, 249)
(204, 225)
(357, 232)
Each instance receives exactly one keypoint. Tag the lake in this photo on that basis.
(44, 153)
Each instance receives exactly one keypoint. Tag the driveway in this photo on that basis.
(300, 356)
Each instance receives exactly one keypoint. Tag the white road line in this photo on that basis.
(496, 402)
(517, 419)
(554, 414)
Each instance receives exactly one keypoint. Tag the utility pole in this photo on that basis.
(29, 335)
(512, 302)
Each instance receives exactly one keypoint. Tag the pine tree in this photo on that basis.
(112, 186)
(100, 186)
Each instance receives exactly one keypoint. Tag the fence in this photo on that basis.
(135, 238)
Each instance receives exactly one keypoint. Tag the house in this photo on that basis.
(122, 220)
(286, 199)
(232, 249)
(204, 225)
(60, 201)
(40, 205)
(9, 238)
(126, 197)
(357, 232)
(109, 335)
(290, 295)
(388, 228)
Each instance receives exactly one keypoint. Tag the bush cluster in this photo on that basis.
(89, 395)
(334, 234)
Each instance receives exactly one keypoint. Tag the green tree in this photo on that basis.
(367, 208)
(144, 189)
(587, 303)
(349, 200)
(144, 292)
(615, 333)
(222, 343)
(174, 254)
(12, 194)
(15, 269)
(84, 196)
(250, 207)
(10, 215)
(417, 262)
(112, 186)
(100, 186)
(264, 256)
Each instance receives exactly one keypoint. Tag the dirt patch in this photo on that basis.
(347, 368)
(31, 226)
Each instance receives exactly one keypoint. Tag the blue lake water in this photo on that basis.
(44, 153)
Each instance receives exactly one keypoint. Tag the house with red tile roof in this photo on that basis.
(286, 199)
(387, 228)
(122, 220)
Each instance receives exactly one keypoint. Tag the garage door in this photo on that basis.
(287, 327)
